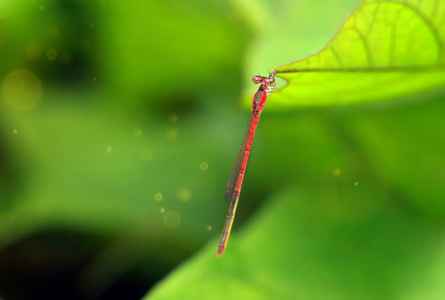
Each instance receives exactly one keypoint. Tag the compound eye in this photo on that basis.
(257, 79)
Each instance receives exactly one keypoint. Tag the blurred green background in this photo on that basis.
(119, 125)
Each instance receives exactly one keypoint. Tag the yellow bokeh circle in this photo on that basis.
(22, 89)
(172, 219)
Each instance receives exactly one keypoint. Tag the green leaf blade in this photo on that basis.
(333, 88)
(397, 46)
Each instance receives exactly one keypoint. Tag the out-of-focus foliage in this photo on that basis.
(194, 37)
(119, 123)
(115, 147)
(55, 39)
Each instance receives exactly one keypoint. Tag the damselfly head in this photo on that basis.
(264, 80)
(257, 79)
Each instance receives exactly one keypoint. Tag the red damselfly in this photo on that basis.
(233, 189)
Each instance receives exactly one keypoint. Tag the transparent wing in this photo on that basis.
(237, 167)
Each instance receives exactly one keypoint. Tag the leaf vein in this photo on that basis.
(365, 46)
(433, 29)
(393, 40)
(337, 57)
(407, 69)
(435, 9)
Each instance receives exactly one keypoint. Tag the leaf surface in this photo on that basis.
(386, 49)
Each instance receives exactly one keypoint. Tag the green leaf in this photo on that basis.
(296, 248)
(386, 49)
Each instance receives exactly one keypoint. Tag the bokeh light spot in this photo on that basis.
(171, 133)
(51, 54)
(203, 166)
(158, 196)
(15, 131)
(22, 89)
(172, 219)
(109, 148)
(209, 227)
(173, 118)
(184, 194)
(356, 183)
(336, 172)
(146, 155)
(162, 210)
(137, 132)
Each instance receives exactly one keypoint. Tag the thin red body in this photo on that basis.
(234, 185)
